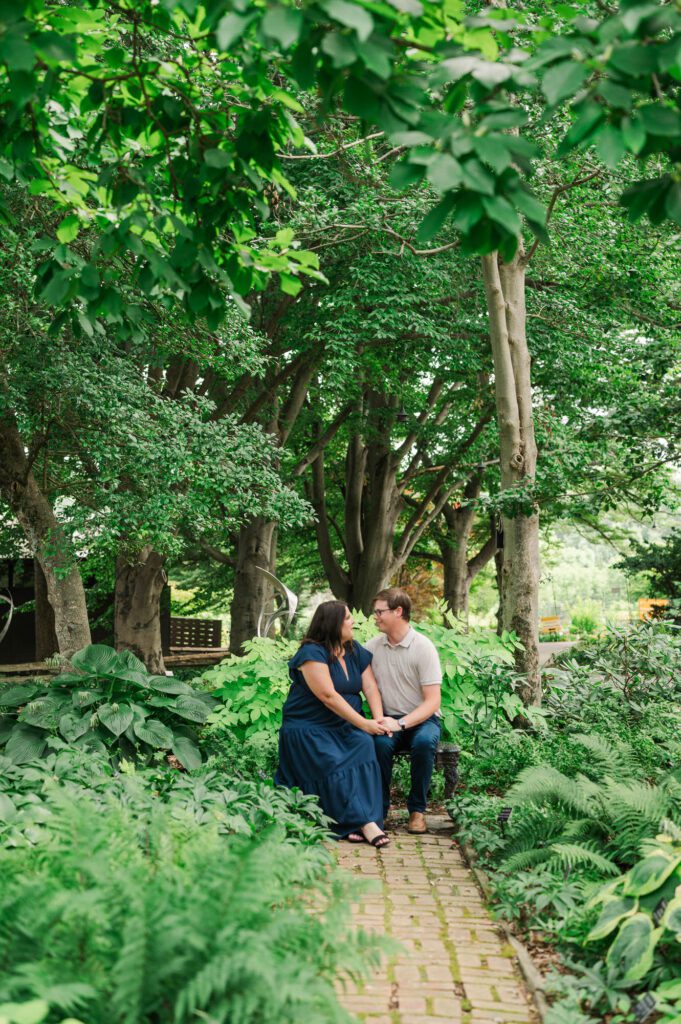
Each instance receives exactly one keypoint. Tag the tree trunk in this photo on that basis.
(46, 644)
(505, 292)
(46, 539)
(252, 591)
(137, 599)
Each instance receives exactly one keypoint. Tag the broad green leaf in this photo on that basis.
(444, 173)
(166, 684)
(283, 24)
(501, 211)
(25, 744)
(15, 696)
(494, 152)
(153, 732)
(97, 659)
(610, 146)
(659, 120)
(190, 707)
(615, 910)
(32, 1012)
(563, 80)
(476, 178)
(672, 918)
(71, 725)
(186, 752)
(433, 221)
(404, 174)
(290, 284)
(352, 15)
(633, 133)
(7, 809)
(230, 29)
(648, 874)
(68, 229)
(340, 49)
(217, 158)
(115, 717)
(631, 955)
(45, 711)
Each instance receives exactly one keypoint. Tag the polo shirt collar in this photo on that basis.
(406, 640)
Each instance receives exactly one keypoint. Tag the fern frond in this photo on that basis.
(571, 855)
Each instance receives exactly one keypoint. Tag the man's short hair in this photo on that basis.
(395, 597)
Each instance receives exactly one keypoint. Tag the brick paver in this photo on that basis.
(454, 965)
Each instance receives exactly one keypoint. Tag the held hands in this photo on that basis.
(385, 726)
(390, 725)
(375, 727)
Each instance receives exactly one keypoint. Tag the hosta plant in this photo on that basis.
(107, 702)
(640, 916)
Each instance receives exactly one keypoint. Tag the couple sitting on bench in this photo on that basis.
(327, 746)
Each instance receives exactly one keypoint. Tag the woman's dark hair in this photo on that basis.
(326, 626)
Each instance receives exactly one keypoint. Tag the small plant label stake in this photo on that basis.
(644, 1008)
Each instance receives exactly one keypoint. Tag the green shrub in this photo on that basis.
(109, 703)
(252, 688)
(133, 909)
(234, 805)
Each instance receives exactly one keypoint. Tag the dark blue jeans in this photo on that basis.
(421, 741)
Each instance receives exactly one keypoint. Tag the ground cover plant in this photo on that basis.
(107, 702)
(142, 893)
(579, 826)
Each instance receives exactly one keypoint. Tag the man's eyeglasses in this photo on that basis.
(381, 611)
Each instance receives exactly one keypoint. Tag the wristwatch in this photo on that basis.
(400, 722)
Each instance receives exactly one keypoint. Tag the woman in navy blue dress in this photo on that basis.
(326, 744)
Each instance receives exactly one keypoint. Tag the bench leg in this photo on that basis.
(449, 759)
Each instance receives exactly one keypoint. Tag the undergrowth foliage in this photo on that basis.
(149, 898)
(589, 858)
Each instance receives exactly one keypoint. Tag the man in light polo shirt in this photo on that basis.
(408, 673)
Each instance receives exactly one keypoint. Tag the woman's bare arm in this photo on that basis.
(318, 678)
(372, 693)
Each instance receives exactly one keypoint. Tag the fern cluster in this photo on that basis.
(134, 912)
(593, 821)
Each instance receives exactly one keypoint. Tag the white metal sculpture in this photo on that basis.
(285, 604)
(7, 598)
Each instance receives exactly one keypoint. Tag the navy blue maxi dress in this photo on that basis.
(321, 753)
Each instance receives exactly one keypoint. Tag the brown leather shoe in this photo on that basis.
(416, 825)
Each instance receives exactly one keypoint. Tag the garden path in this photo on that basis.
(454, 967)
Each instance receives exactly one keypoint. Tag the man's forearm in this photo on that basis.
(425, 709)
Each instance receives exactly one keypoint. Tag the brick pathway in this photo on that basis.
(454, 967)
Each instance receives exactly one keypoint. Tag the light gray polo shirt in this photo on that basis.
(402, 670)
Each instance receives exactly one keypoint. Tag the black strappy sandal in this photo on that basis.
(358, 838)
(376, 841)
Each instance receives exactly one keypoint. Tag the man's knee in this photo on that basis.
(426, 740)
(384, 746)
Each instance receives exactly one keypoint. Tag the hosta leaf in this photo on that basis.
(190, 707)
(153, 732)
(116, 717)
(186, 752)
(7, 809)
(25, 744)
(631, 954)
(44, 712)
(15, 696)
(97, 660)
(32, 1012)
(72, 725)
(615, 910)
(650, 873)
(166, 685)
(672, 919)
